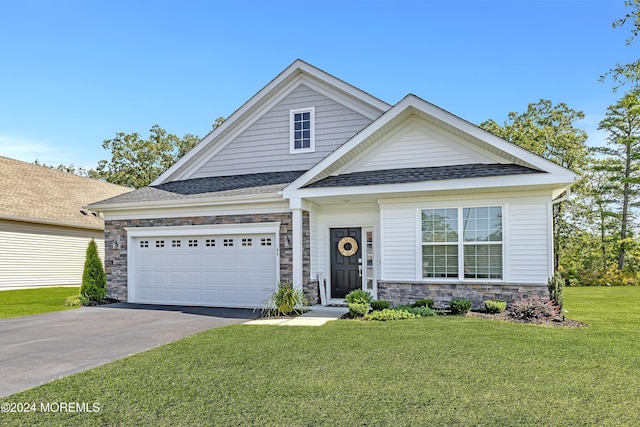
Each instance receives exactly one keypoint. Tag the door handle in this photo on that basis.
(359, 267)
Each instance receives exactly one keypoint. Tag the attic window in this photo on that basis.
(302, 130)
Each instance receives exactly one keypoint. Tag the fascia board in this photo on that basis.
(292, 71)
(200, 230)
(44, 221)
(196, 202)
(444, 185)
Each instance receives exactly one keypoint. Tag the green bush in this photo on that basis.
(359, 296)
(75, 301)
(460, 306)
(608, 277)
(423, 302)
(533, 308)
(284, 301)
(419, 311)
(94, 280)
(556, 289)
(380, 304)
(389, 314)
(494, 306)
(358, 309)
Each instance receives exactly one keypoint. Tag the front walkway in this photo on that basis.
(318, 315)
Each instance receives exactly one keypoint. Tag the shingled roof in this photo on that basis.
(219, 186)
(33, 193)
(407, 175)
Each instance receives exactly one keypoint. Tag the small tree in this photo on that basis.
(94, 280)
(556, 289)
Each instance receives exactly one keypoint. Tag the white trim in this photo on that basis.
(551, 246)
(312, 130)
(176, 212)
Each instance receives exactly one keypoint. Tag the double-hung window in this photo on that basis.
(462, 243)
(302, 130)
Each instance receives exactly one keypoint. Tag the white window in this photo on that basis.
(266, 241)
(176, 243)
(193, 243)
(302, 130)
(228, 242)
(462, 243)
(144, 243)
(159, 243)
(210, 243)
(247, 242)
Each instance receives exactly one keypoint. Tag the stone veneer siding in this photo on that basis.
(407, 292)
(116, 245)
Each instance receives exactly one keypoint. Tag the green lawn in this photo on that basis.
(430, 371)
(24, 302)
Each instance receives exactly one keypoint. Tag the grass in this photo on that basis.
(428, 371)
(24, 302)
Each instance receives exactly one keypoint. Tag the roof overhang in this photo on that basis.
(44, 221)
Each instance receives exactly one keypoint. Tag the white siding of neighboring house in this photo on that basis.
(264, 145)
(43, 255)
(526, 229)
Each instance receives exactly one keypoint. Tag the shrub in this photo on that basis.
(389, 314)
(94, 280)
(422, 311)
(380, 304)
(358, 309)
(533, 308)
(284, 301)
(460, 306)
(494, 306)
(75, 301)
(556, 289)
(358, 296)
(423, 302)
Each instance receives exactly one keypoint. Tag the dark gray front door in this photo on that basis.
(345, 261)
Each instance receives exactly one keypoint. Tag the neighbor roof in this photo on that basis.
(34, 193)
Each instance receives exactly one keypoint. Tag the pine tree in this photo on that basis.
(94, 279)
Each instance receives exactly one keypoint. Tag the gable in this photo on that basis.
(349, 102)
(264, 146)
(413, 144)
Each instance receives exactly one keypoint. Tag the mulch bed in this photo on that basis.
(101, 302)
(552, 322)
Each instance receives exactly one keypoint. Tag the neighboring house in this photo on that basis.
(313, 180)
(44, 228)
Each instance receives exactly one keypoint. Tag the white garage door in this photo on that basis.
(238, 270)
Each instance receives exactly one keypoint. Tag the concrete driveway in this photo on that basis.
(40, 348)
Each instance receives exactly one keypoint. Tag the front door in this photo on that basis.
(346, 261)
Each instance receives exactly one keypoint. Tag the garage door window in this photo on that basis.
(210, 243)
(247, 242)
(228, 242)
(144, 243)
(159, 243)
(176, 243)
(265, 241)
(193, 243)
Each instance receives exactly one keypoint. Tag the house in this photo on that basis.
(44, 228)
(315, 182)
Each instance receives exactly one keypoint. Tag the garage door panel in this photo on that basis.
(227, 270)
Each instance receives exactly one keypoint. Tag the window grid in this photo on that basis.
(471, 242)
(193, 243)
(176, 243)
(144, 243)
(159, 243)
(265, 241)
(247, 242)
(302, 130)
(227, 242)
(210, 243)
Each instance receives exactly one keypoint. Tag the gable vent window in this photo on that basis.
(176, 243)
(210, 243)
(302, 130)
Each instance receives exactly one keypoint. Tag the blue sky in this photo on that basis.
(73, 73)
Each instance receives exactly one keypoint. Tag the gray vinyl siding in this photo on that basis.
(264, 145)
(43, 255)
